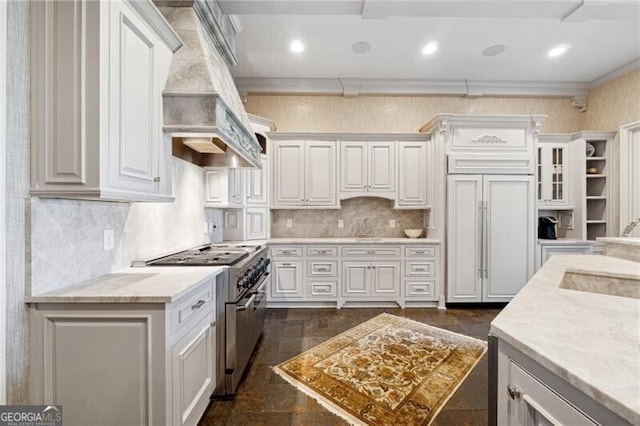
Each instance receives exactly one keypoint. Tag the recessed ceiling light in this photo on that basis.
(296, 46)
(361, 47)
(558, 50)
(430, 48)
(494, 50)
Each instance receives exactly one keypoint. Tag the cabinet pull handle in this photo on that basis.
(371, 252)
(322, 251)
(514, 392)
(322, 269)
(286, 264)
(419, 290)
(198, 305)
(156, 179)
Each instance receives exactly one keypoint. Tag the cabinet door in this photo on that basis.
(353, 167)
(256, 223)
(386, 279)
(509, 235)
(194, 370)
(288, 173)
(412, 174)
(382, 170)
(257, 184)
(216, 186)
(552, 184)
(287, 280)
(320, 173)
(134, 103)
(236, 187)
(464, 248)
(355, 279)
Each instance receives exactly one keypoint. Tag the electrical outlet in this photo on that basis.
(109, 240)
(289, 223)
(392, 223)
(340, 223)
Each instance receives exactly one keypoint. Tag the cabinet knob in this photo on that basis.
(156, 179)
(514, 392)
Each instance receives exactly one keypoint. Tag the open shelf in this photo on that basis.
(596, 190)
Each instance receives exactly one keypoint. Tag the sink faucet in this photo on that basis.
(629, 227)
(362, 230)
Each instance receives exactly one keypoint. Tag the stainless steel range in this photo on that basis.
(241, 301)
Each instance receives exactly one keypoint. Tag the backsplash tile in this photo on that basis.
(324, 223)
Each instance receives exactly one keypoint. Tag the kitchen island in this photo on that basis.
(566, 355)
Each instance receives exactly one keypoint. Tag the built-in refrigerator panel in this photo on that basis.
(491, 236)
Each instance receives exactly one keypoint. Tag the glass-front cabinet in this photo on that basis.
(552, 174)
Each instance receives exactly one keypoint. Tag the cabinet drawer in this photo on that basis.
(414, 268)
(370, 251)
(320, 289)
(535, 403)
(286, 251)
(192, 307)
(420, 251)
(423, 289)
(318, 268)
(322, 251)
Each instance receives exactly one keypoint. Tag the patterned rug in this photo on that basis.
(385, 371)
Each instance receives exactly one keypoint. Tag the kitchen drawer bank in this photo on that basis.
(134, 347)
(355, 272)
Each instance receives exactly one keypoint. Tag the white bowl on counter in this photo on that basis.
(413, 233)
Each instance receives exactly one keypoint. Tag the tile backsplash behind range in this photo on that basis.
(324, 223)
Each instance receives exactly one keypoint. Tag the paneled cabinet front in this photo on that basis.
(98, 72)
(553, 174)
(224, 187)
(367, 169)
(125, 363)
(287, 282)
(364, 280)
(304, 174)
(412, 175)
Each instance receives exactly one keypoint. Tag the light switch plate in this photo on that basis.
(392, 223)
(340, 223)
(289, 223)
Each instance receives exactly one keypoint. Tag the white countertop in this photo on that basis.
(590, 340)
(157, 284)
(632, 241)
(564, 241)
(331, 240)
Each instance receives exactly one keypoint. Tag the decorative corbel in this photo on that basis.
(579, 102)
(444, 128)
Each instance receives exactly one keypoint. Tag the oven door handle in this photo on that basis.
(263, 283)
(246, 305)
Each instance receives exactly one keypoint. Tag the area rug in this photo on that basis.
(385, 371)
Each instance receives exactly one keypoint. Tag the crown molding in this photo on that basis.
(350, 87)
(617, 73)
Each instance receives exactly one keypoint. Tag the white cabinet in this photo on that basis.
(552, 174)
(98, 72)
(491, 236)
(248, 223)
(287, 281)
(545, 251)
(304, 174)
(257, 184)
(224, 187)
(412, 175)
(363, 280)
(128, 363)
(526, 393)
(367, 169)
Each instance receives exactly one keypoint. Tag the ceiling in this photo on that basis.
(603, 39)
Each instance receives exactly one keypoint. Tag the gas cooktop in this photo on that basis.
(211, 255)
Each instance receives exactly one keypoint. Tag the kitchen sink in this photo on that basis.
(602, 283)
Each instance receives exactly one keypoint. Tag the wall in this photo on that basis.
(17, 167)
(66, 236)
(324, 223)
(611, 105)
(385, 114)
(47, 236)
(401, 113)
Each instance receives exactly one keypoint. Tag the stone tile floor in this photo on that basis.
(263, 398)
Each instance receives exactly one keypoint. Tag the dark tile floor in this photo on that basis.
(263, 398)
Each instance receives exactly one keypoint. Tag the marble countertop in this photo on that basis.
(632, 241)
(565, 241)
(590, 340)
(331, 240)
(159, 284)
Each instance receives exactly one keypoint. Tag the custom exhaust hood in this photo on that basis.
(202, 108)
